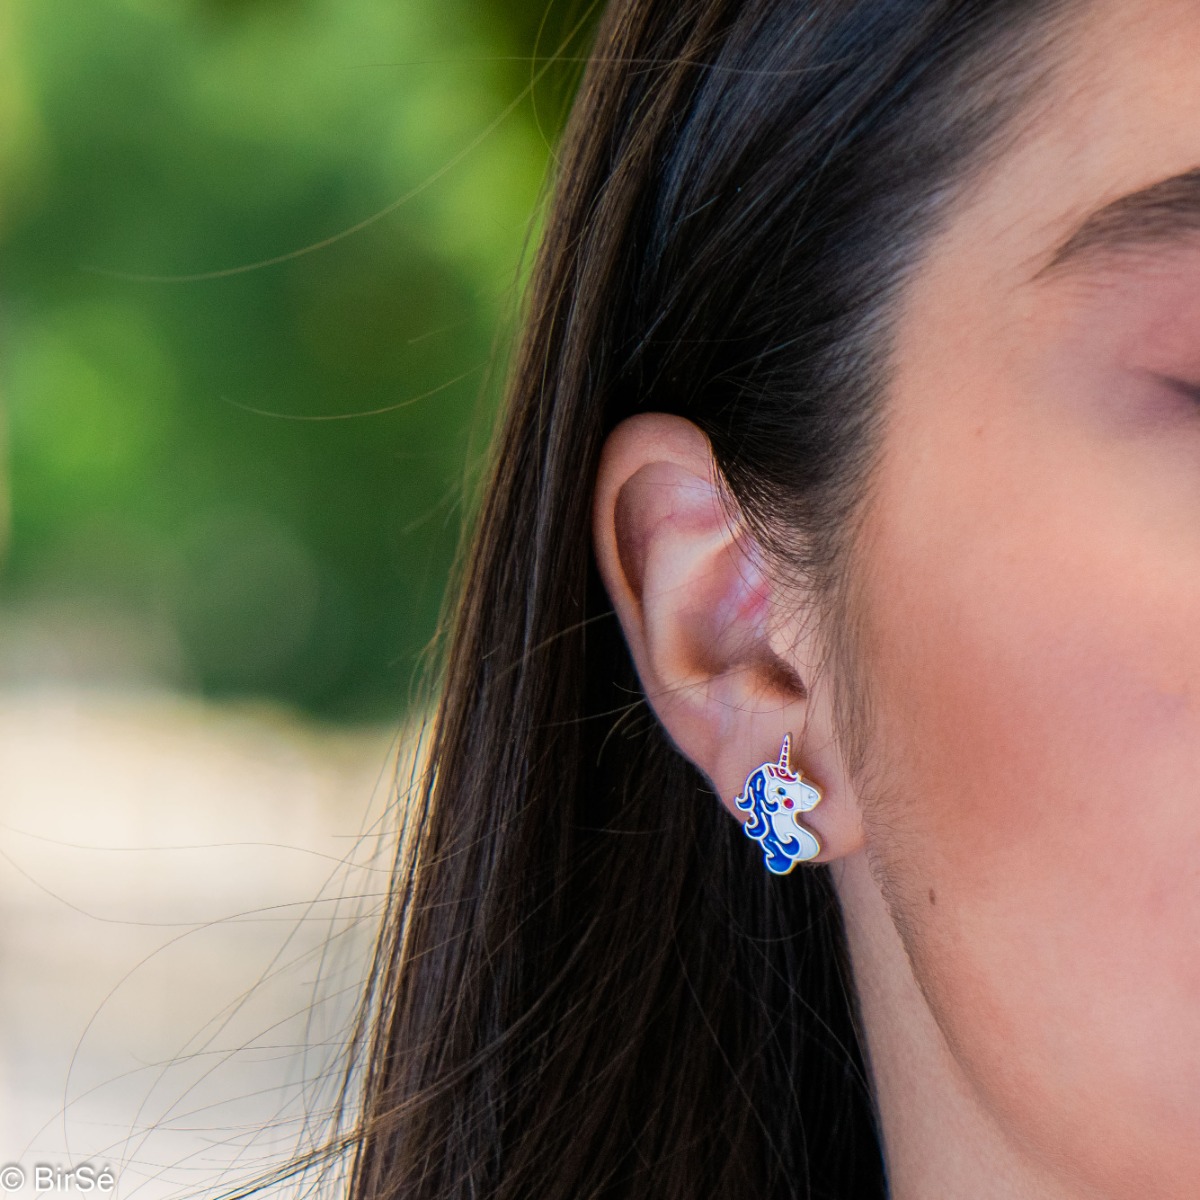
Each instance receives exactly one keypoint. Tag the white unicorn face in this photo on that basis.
(793, 795)
(793, 798)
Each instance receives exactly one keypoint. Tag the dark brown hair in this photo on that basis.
(587, 986)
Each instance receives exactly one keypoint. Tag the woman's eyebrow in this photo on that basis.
(1163, 214)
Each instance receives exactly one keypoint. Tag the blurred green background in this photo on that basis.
(192, 500)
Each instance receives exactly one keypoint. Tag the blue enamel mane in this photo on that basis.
(759, 805)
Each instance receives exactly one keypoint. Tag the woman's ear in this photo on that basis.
(722, 663)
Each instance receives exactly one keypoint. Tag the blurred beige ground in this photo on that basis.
(188, 895)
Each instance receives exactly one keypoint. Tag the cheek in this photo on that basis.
(1036, 669)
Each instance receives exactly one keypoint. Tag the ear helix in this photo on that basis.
(774, 795)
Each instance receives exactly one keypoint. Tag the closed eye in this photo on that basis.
(1189, 391)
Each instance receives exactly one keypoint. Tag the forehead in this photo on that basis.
(1122, 114)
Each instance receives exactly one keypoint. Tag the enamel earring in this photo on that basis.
(774, 796)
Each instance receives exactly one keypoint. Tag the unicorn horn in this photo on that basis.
(785, 753)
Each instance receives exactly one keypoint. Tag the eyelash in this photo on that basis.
(1189, 391)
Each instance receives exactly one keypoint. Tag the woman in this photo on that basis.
(858, 406)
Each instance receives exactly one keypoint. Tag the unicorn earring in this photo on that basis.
(774, 795)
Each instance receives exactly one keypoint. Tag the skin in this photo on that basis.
(1019, 867)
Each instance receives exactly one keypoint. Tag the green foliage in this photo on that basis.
(153, 149)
